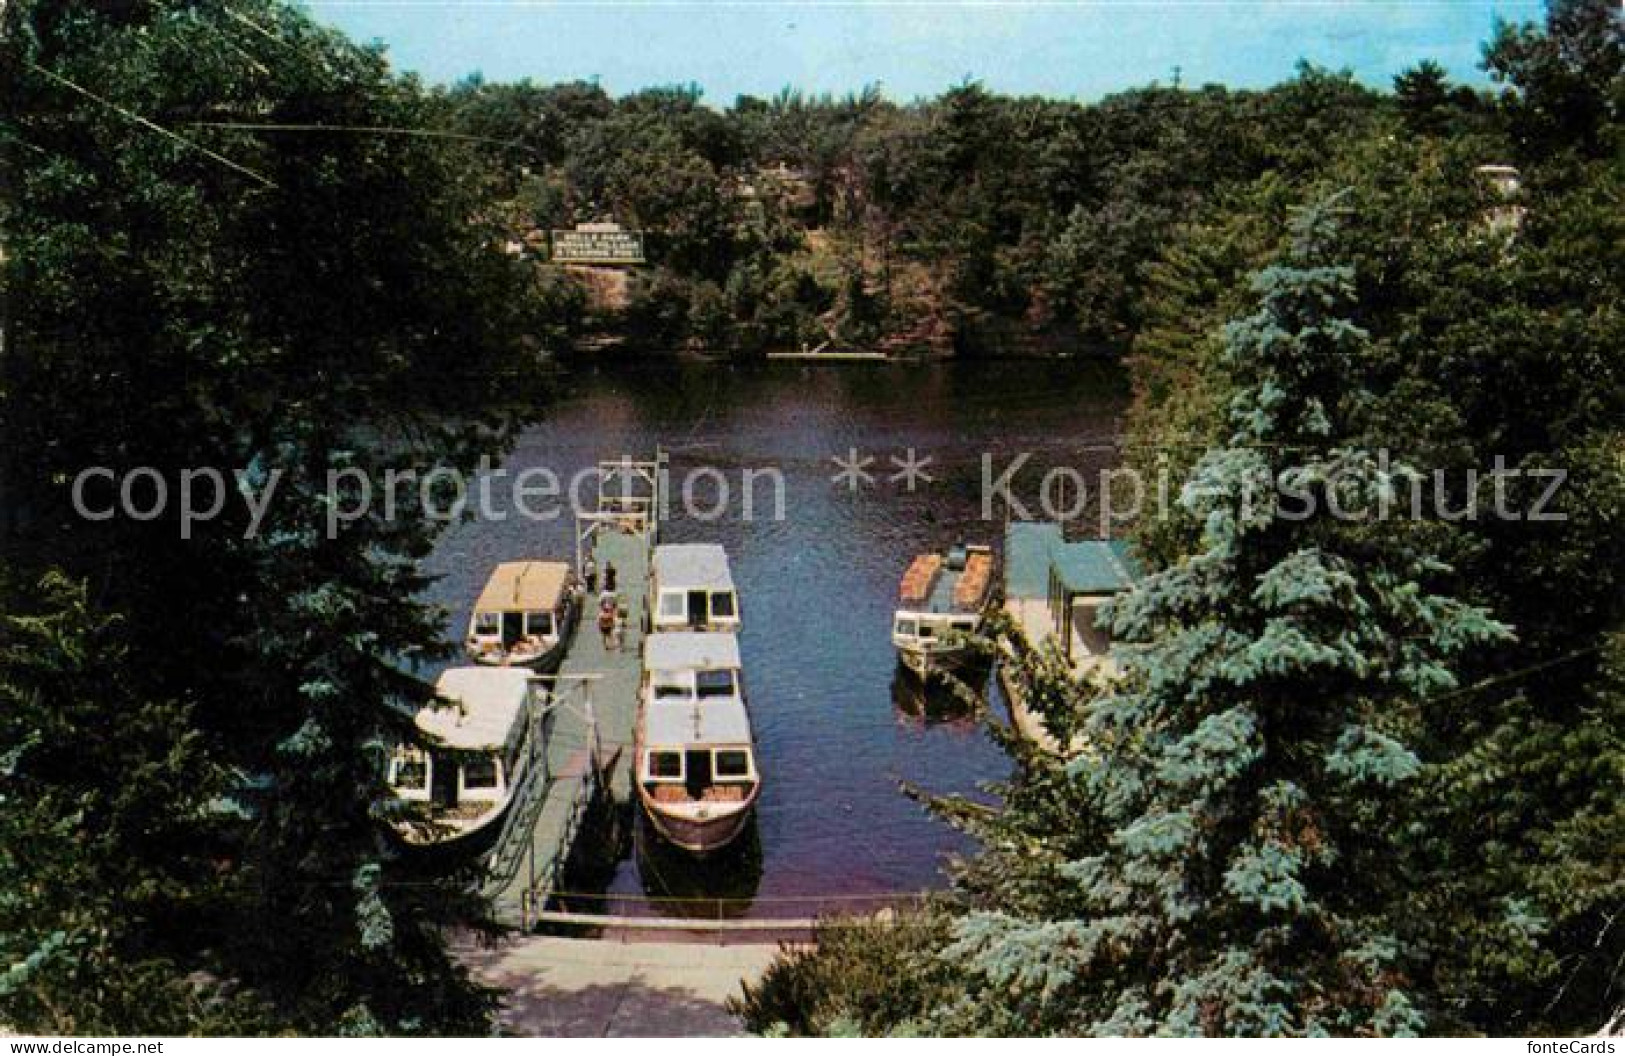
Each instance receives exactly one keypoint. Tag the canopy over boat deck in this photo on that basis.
(694, 588)
(487, 703)
(692, 566)
(680, 651)
(524, 585)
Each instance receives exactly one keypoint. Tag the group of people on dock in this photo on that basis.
(612, 613)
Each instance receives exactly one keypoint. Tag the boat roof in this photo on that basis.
(717, 720)
(690, 650)
(1034, 549)
(919, 578)
(491, 699)
(692, 566)
(524, 585)
(930, 585)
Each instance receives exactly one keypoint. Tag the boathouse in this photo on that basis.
(1054, 587)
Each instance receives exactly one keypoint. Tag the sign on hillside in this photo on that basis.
(598, 244)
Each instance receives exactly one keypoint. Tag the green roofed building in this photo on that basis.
(1053, 587)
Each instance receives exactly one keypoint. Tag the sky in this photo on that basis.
(1079, 49)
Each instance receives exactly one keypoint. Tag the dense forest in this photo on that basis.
(1357, 778)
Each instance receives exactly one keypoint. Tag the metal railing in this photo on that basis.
(514, 838)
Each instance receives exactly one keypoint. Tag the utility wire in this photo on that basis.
(380, 130)
(153, 126)
(1511, 676)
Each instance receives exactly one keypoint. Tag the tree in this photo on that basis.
(100, 837)
(1423, 92)
(297, 306)
(1246, 772)
(1567, 79)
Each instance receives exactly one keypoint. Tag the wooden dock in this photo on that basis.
(586, 712)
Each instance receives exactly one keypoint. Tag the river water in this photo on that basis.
(839, 730)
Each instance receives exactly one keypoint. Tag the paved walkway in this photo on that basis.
(535, 849)
(616, 673)
(577, 988)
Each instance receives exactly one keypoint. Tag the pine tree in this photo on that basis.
(1247, 771)
(100, 875)
(287, 304)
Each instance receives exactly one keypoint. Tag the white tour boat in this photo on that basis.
(474, 753)
(692, 588)
(524, 615)
(696, 762)
(943, 599)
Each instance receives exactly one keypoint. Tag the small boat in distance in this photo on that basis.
(695, 757)
(524, 615)
(475, 751)
(943, 599)
(692, 588)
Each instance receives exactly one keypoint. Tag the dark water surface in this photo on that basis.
(835, 736)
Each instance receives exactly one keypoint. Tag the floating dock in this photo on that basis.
(1052, 590)
(586, 712)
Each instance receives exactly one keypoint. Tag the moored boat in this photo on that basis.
(473, 752)
(692, 588)
(694, 754)
(943, 600)
(524, 616)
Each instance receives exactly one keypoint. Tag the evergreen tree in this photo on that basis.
(290, 304)
(1423, 92)
(101, 838)
(1566, 79)
(1246, 772)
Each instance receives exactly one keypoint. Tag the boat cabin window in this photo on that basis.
(927, 631)
(907, 628)
(666, 765)
(714, 684)
(513, 626)
(672, 691)
(698, 611)
(409, 771)
(672, 606)
(722, 606)
(733, 763)
(964, 626)
(482, 774)
(487, 624)
(539, 623)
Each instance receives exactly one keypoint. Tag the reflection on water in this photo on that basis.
(719, 885)
(941, 701)
(818, 587)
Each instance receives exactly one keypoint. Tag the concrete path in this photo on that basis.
(576, 988)
(535, 849)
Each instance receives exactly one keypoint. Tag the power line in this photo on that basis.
(153, 126)
(1511, 676)
(382, 130)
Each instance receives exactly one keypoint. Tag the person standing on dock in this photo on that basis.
(620, 626)
(606, 622)
(609, 577)
(589, 572)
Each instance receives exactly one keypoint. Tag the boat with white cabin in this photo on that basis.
(472, 753)
(691, 587)
(694, 753)
(943, 600)
(524, 616)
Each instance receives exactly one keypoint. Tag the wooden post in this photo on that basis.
(592, 728)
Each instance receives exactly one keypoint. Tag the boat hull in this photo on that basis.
(453, 841)
(925, 665)
(542, 663)
(694, 835)
(545, 662)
